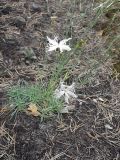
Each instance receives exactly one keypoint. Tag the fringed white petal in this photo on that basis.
(64, 41)
(52, 41)
(53, 44)
(64, 48)
(58, 94)
(67, 97)
(52, 48)
(67, 91)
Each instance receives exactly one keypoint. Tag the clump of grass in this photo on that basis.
(107, 4)
(41, 95)
(105, 7)
(21, 96)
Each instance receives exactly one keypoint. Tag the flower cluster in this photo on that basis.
(54, 44)
(65, 91)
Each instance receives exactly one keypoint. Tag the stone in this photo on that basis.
(20, 22)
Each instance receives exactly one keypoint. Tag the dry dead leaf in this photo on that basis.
(101, 99)
(4, 109)
(54, 17)
(100, 33)
(32, 110)
(95, 100)
(67, 108)
(108, 126)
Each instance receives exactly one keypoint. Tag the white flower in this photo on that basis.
(66, 91)
(54, 44)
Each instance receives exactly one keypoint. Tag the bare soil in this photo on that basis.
(92, 130)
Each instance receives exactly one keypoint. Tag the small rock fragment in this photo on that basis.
(36, 7)
(108, 126)
(20, 22)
